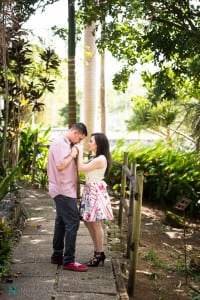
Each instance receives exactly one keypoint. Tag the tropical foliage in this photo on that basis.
(161, 31)
(5, 249)
(26, 73)
(163, 36)
(7, 180)
(31, 137)
(170, 174)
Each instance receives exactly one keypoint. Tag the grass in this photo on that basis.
(153, 259)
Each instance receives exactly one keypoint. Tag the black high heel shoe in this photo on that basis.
(91, 260)
(98, 257)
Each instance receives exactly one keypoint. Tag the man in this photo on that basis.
(63, 179)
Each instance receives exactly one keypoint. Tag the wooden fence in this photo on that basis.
(131, 209)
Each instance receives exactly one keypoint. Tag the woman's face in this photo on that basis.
(92, 145)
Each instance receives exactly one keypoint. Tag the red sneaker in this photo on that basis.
(75, 266)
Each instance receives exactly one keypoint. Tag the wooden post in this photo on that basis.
(131, 207)
(123, 189)
(135, 236)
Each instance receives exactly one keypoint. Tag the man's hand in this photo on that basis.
(79, 148)
(74, 152)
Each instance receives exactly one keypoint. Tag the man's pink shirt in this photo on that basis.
(61, 182)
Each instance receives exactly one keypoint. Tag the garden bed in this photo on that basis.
(11, 212)
(161, 270)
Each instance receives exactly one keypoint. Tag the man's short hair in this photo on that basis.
(80, 127)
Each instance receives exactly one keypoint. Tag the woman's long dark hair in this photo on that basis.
(103, 148)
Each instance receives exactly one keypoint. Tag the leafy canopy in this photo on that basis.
(140, 31)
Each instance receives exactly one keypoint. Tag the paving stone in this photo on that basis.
(33, 248)
(86, 282)
(84, 296)
(44, 213)
(29, 288)
(34, 269)
(39, 226)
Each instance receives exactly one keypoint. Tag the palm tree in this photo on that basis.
(71, 64)
(90, 103)
(102, 93)
(3, 50)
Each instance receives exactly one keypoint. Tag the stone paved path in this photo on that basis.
(35, 278)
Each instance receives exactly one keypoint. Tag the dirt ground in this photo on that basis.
(164, 254)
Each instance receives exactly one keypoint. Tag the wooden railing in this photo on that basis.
(130, 207)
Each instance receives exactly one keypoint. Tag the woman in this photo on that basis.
(95, 205)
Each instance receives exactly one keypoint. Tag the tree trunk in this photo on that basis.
(102, 94)
(4, 148)
(71, 64)
(90, 103)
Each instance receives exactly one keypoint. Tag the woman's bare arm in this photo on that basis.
(96, 163)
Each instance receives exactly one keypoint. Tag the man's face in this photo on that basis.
(76, 137)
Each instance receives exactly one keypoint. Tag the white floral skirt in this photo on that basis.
(95, 204)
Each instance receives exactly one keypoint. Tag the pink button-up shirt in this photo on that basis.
(61, 182)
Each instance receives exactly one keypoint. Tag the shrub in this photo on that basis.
(170, 174)
(5, 249)
(7, 179)
(28, 137)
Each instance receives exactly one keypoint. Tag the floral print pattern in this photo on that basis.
(95, 204)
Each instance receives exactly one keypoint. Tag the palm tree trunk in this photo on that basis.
(71, 65)
(6, 98)
(102, 94)
(90, 103)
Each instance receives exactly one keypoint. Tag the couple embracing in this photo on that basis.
(64, 160)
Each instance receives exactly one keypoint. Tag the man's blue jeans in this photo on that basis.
(66, 227)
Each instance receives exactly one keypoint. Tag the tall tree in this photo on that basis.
(3, 51)
(21, 84)
(71, 64)
(89, 101)
(160, 32)
(102, 81)
(102, 92)
(137, 31)
(91, 37)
